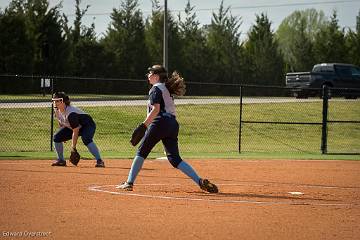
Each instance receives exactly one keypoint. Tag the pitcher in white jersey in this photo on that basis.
(73, 122)
(161, 124)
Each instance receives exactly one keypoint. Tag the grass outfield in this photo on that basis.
(206, 131)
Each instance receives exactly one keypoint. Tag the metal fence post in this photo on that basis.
(325, 93)
(52, 115)
(240, 121)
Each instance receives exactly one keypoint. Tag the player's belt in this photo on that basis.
(166, 114)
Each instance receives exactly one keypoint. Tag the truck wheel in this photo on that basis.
(301, 95)
(350, 97)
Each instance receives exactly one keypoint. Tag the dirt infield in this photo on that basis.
(265, 199)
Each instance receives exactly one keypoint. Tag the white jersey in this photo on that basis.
(159, 94)
(63, 117)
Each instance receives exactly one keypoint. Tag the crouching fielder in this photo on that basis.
(161, 124)
(73, 123)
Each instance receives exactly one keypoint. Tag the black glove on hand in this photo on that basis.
(138, 134)
(74, 157)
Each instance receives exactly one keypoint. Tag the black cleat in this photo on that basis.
(100, 164)
(207, 186)
(126, 186)
(59, 163)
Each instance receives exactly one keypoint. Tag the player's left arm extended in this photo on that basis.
(152, 115)
(74, 155)
(75, 136)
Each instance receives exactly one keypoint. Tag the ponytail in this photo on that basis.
(176, 84)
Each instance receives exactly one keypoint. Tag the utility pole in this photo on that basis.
(165, 42)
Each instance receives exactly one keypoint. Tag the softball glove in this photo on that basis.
(74, 157)
(138, 134)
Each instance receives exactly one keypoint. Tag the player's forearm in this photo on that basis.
(151, 116)
(75, 137)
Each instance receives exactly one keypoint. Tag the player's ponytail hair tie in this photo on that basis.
(61, 96)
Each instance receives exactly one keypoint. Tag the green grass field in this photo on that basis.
(206, 131)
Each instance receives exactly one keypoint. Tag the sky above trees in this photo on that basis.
(99, 11)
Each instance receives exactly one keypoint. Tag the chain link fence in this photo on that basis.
(343, 121)
(117, 106)
(327, 123)
(213, 119)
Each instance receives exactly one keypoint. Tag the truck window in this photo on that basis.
(355, 71)
(344, 71)
(319, 68)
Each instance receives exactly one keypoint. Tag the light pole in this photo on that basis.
(165, 42)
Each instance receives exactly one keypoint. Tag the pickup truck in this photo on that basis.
(333, 75)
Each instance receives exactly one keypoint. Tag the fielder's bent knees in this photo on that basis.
(57, 139)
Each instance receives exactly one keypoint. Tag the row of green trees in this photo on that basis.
(36, 39)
